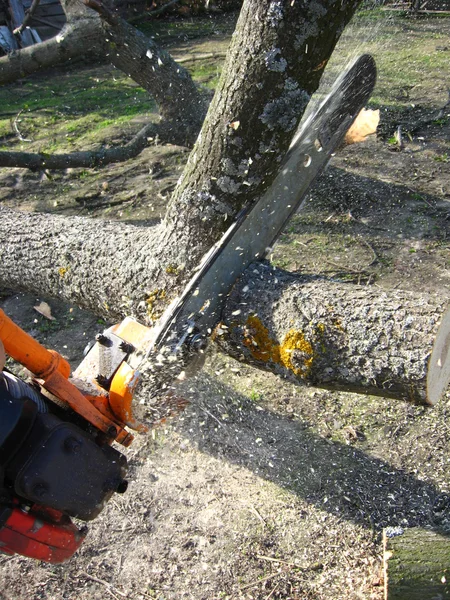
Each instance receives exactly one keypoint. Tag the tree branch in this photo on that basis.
(166, 132)
(103, 11)
(28, 16)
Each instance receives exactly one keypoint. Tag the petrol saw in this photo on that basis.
(57, 461)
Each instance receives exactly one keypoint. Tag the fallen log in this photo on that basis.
(339, 336)
(164, 131)
(416, 564)
(312, 330)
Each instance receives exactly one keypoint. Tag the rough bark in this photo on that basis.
(274, 64)
(106, 267)
(76, 39)
(416, 564)
(312, 331)
(337, 336)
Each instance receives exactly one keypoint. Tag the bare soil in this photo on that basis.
(261, 489)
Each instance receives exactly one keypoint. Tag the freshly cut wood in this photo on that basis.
(416, 564)
(365, 124)
(333, 335)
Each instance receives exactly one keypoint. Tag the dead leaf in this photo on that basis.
(365, 124)
(44, 309)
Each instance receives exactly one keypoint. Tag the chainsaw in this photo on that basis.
(57, 460)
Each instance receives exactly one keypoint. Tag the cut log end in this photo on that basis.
(438, 376)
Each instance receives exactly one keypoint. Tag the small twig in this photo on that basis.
(344, 269)
(16, 128)
(253, 509)
(28, 16)
(255, 583)
(273, 590)
(375, 255)
(210, 414)
(108, 586)
(277, 560)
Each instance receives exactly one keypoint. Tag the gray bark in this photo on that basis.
(106, 267)
(318, 332)
(274, 64)
(416, 564)
(75, 40)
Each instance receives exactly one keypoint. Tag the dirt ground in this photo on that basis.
(260, 489)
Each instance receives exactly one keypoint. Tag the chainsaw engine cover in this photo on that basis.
(62, 467)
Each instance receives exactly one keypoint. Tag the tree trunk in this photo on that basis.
(273, 66)
(309, 330)
(416, 564)
(365, 340)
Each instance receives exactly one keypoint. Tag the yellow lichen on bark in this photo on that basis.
(264, 348)
(295, 340)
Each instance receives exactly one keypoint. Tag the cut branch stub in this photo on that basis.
(338, 336)
(439, 366)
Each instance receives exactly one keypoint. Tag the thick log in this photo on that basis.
(416, 564)
(107, 267)
(75, 40)
(310, 330)
(338, 336)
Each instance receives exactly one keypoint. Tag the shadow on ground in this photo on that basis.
(340, 479)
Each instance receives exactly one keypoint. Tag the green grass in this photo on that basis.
(74, 106)
(72, 109)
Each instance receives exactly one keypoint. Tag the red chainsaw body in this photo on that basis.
(42, 534)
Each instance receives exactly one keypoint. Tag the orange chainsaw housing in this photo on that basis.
(42, 532)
